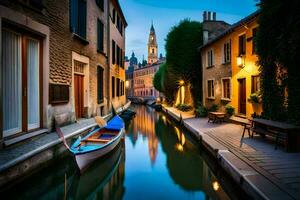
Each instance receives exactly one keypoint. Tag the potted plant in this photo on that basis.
(255, 99)
(229, 110)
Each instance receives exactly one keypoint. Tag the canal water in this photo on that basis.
(157, 160)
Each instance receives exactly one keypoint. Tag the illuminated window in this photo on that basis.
(255, 84)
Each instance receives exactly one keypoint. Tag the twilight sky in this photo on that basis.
(167, 13)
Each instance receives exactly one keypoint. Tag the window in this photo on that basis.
(119, 24)
(226, 88)
(210, 89)
(118, 87)
(113, 52)
(78, 17)
(113, 87)
(118, 55)
(21, 48)
(100, 4)
(152, 50)
(254, 31)
(100, 84)
(227, 52)
(210, 58)
(255, 84)
(100, 34)
(114, 16)
(242, 44)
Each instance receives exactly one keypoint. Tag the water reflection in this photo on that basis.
(102, 180)
(178, 171)
(144, 126)
(161, 162)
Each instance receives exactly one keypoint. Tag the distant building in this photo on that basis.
(152, 46)
(230, 73)
(143, 75)
(132, 64)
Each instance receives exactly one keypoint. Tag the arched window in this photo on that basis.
(152, 50)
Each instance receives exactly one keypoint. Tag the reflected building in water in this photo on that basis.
(144, 125)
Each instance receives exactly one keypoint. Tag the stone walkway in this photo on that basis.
(275, 174)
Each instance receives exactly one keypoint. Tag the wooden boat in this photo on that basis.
(97, 143)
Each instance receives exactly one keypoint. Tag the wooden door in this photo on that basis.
(242, 96)
(78, 94)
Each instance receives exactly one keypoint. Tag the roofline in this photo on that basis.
(118, 7)
(236, 25)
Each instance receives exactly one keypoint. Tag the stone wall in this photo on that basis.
(62, 43)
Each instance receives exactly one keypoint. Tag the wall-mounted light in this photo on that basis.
(181, 82)
(127, 84)
(240, 61)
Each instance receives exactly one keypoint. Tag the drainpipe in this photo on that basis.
(108, 56)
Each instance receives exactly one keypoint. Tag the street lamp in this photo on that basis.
(240, 61)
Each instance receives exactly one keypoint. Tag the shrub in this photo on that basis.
(201, 111)
(254, 98)
(214, 108)
(184, 107)
(229, 109)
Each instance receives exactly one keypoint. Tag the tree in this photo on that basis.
(183, 57)
(278, 46)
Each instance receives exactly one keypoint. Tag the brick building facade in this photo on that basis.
(65, 46)
(230, 73)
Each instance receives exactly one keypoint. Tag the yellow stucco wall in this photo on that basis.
(250, 68)
(220, 70)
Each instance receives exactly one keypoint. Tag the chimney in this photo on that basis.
(204, 16)
(209, 16)
(214, 16)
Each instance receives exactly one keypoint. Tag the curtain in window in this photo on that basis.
(33, 83)
(11, 81)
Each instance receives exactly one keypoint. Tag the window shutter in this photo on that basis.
(74, 15)
(100, 4)
(100, 35)
(82, 18)
(113, 52)
(100, 84)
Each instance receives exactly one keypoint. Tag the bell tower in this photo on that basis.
(152, 46)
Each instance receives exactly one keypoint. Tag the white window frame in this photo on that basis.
(224, 52)
(213, 83)
(230, 85)
(210, 57)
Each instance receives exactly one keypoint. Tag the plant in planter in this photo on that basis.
(255, 98)
(201, 111)
(229, 110)
(214, 108)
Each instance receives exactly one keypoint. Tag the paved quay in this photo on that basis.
(262, 171)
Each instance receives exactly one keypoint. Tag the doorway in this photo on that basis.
(79, 89)
(22, 82)
(242, 96)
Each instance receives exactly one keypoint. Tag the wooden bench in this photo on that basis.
(246, 123)
(287, 133)
(216, 117)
